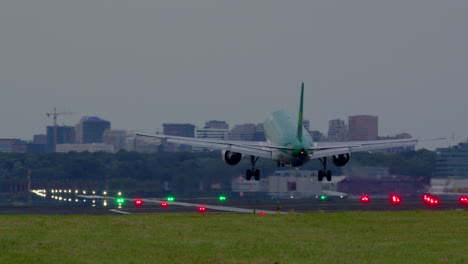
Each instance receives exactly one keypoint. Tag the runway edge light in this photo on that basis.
(395, 199)
(365, 199)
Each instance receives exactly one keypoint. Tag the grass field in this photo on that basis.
(351, 237)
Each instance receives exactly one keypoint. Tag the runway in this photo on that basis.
(100, 205)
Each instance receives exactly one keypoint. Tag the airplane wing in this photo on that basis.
(258, 149)
(266, 149)
(326, 149)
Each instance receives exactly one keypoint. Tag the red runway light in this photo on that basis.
(431, 200)
(463, 199)
(395, 199)
(201, 209)
(164, 204)
(262, 213)
(138, 202)
(365, 199)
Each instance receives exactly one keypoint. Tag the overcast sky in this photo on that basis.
(142, 63)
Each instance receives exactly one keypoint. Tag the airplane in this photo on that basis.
(288, 143)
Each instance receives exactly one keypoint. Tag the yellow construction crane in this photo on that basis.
(55, 114)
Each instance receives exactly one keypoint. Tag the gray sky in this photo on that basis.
(141, 63)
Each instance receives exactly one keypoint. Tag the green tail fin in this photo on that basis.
(299, 122)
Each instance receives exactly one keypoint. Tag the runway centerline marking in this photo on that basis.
(119, 212)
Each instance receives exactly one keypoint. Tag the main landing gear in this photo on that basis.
(252, 171)
(324, 173)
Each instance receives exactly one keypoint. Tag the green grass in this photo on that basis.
(351, 237)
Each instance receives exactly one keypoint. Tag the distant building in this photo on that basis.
(337, 130)
(244, 132)
(452, 162)
(317, 136)
(90, 129)
(210, 133)
(363, 128)
(116, 138)
(38, 144)
(35, 148)
(213, 133)
(65, 134)
(217, 124)
(93, 147)
(212, 130)
(259, 133)
(181, 130)
(144, 144)
(12, 145)
(40, 139)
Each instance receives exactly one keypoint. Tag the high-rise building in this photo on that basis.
(181, 130)
(65, 134)
(90, 129)
(363, 128)
(337, 130)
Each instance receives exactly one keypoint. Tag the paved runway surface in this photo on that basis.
(152, 205)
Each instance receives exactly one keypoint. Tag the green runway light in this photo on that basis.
(323, 197)
(222, 198)
(170, 199)
(120, 200)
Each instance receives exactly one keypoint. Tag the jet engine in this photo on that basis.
(341, 159)
(231, 158)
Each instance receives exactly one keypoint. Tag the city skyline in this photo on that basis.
(231, 131)
(143, 63)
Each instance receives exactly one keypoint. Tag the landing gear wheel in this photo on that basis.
(252, 171)
(248, 175)
(329, 175)
(324, 173)
(320, 175)
(257, 175)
